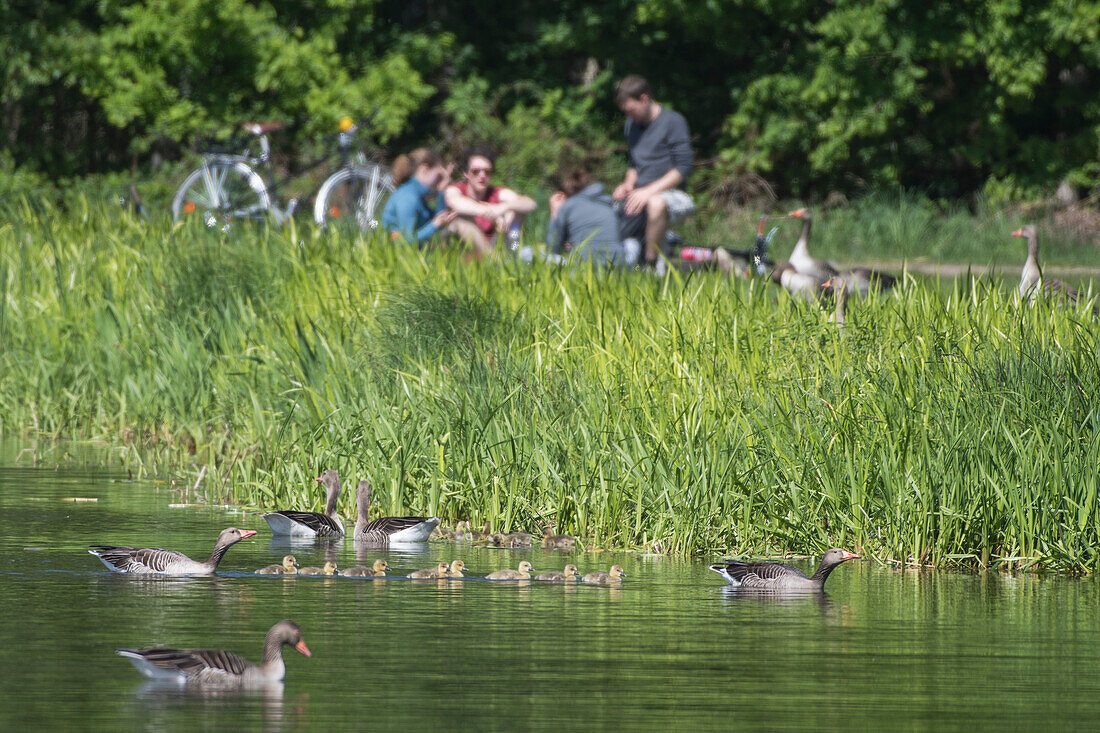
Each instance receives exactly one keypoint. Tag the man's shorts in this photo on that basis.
(680, 204)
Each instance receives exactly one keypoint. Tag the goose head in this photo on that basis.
(330, 568)
(617, 571)
(232, 536)
(380, 566)
(571, 571)
(289, 564)
(525, 567)
(803, 214)
(288, 632)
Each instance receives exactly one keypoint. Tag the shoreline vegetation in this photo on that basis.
(947, 424)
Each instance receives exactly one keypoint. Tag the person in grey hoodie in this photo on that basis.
(583, 223)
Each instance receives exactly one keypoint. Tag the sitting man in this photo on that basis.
(484, 209)
(660, 163)
(583, 221)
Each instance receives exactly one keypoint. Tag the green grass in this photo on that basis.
(948, 424)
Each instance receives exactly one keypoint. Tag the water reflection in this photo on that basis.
(163, 703)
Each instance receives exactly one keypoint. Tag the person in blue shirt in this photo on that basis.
(415, 211)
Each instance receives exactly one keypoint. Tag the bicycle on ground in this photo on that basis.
(228, 187)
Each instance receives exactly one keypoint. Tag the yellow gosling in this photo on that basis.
(289, 566)
(524, 573)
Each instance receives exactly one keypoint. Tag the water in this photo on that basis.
(673, 647)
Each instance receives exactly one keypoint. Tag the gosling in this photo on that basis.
(289, 567)
(378, 570)
(524, 573)
(439, 571)
(615, 576)
(557, 541)
(455, 571)
(328, 569)
(570, 574)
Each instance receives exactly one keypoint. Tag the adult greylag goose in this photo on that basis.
(800, 257)
(439, 571)
(155, 561)
(779, 576)
(523, 573)
(1032, 282)
(455, 570)
(569, 574)
(614, 575)
(216, 667)
(557, 541)
(806, 287)
(328, 569)
(289, 566)
(388, 529)
(377, 570)
(287, 522)
(860, 281)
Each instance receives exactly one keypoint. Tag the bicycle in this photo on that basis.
(230, 187)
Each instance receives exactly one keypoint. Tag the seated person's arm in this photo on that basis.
(556, 234)
(516, 202)
(679, 144)
(463, 205)
(629, 180)
(668, 181)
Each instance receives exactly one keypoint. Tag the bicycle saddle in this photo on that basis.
(261, 128)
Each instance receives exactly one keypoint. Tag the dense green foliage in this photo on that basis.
(683, 414)
(940, 96)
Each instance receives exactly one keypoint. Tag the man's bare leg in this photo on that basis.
(656, 226)
(469, 232)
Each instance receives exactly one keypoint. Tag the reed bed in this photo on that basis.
(948, 424)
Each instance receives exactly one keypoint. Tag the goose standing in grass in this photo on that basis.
(388, 529)
(377, 570)
(860, 281)
(840, 294)
(800, 257)
(439, 571)
(290, 523)
(155, 561)
(455, 570)
(557, 541)
(216, 667)
(779, 576)
(1032, 282)
(289, 566)
(569, 574)
(523, 573)
(328, 569)
(613, 576)
(806, 287)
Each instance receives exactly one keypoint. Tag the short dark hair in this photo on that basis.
(573, 181)
(481, 150)
(631, 87)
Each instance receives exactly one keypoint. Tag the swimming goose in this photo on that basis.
(220, 668)
(328, 569)
(800, 257)
(557, 541)
(569, 574)
(288, 567)
(388, 529)
(1032, 282)
(439, 571)
(807, 287)
(780, 576)
(292, 523)
(524, 573)
(615, 575)
(153, 560)
(455, 571)
(378, 570)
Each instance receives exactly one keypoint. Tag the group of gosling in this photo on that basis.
(442, 571)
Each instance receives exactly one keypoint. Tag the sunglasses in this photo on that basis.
(479, 171)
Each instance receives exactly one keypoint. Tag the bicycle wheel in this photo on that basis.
(353, 198)
(220, 192)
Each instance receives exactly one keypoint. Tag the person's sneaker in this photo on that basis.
(660, 267)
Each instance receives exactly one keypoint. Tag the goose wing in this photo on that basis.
(187, 662)
(137, 560)
(382, 529)
(763, 574)
(322, 524)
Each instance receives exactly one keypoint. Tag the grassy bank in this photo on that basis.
(948, 424)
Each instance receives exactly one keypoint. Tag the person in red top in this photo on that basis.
(484, 210)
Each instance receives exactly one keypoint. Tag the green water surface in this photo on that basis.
(673, 648)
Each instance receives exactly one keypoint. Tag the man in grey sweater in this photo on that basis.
(660, 163)
(583, 222)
